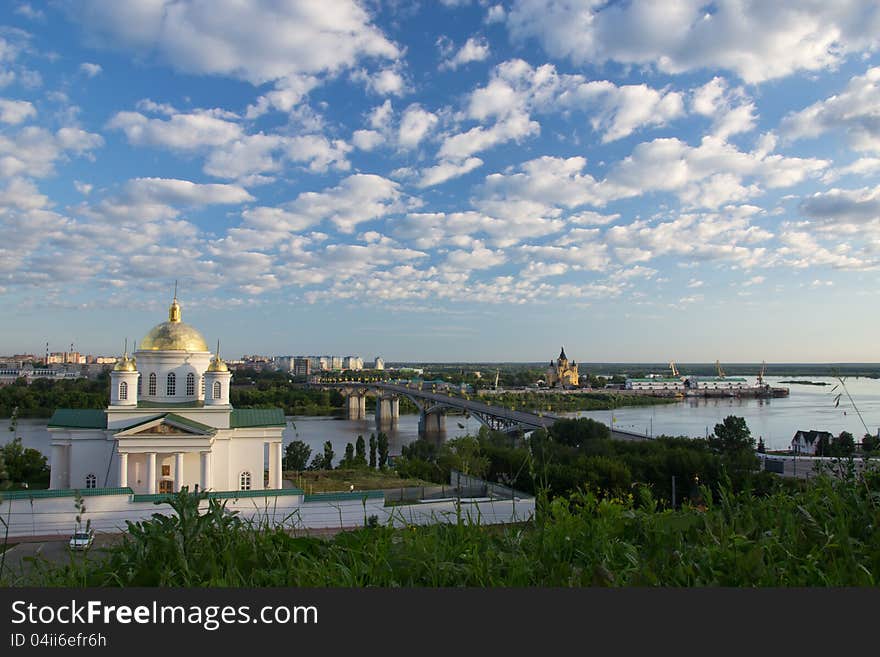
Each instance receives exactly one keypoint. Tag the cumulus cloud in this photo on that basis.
(731, 110)
(261, 41)
(34, 151)
(16, 111)
(757, 40)
(195, 130)
(853, 111)
(475, 49)
(90, 69)
(415, 125)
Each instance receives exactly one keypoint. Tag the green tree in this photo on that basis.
(360, 449)
(732, 435)
(4, 475)
(843, 446)
(372, 451)
(348, 459)
(296, 455)
(382, 446)
(870, 443)
(25, 465)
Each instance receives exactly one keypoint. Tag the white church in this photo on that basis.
(169, 425)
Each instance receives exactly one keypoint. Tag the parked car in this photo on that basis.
(82, 540)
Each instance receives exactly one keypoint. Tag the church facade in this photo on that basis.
(169, 424)
(562, 373)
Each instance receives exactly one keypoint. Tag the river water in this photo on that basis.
(775, 420)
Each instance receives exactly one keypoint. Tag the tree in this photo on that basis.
(360, 458)
(870, 443)
(296, 455)
(732, 435)
(4, 475)
(843, 446)
(24, 465)
(372, 451)
(348, 459)
(383, 449)
(761, 448)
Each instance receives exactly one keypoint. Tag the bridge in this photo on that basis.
(433, 407)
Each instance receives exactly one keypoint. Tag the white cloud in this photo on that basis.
(90, 69)
(846, 206)
(446, 170)
(33, 151)
(321, 153)
(196, 130)
(853, 111)
(495, 14)
(367, 140)
(16, 111)
(171, 191)
(731, 109)
(260, 41)
(757, 40)
(415, 125)
(475, 49)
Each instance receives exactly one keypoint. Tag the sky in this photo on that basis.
(444, 181)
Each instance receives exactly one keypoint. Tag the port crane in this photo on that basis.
(674, 369)
(720, 371)
(761, 373)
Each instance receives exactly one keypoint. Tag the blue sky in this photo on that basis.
(455, 180)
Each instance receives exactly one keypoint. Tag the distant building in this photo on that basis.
(716, 382)
(562, 374)
(655, 383)
(807, 442)
(284, 363)
(353, 363)
(302, 366)
(378, 363)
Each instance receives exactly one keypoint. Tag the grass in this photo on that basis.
(822, 534)
(331, 481)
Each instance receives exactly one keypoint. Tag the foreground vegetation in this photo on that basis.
(823, 534)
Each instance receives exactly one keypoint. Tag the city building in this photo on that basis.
(302, 366)
(353, 363)
(656, 383)
(169, 424)
(378, 363)
(562, 373)
(807, 442)
(729, 383)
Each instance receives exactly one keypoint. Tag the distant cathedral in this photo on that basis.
(562, 373)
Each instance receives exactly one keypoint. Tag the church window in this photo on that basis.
(152, 389)
(190, 384)
(244, 481)
(166, 486)
(139, 385)
(171, 385)
(123, 390)
(216, 394)
(166, 470)
(91, 481)
(202, 380)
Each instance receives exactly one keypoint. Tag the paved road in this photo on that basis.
(20, 558)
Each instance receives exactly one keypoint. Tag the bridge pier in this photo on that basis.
(432, 423)
(387, 411)
(357, 406)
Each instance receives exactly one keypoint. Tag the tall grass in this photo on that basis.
(823, 535)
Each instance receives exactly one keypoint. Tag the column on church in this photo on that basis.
(178, 471)
(205, 479)
(123, 469)
(151, 473)
(275, 465)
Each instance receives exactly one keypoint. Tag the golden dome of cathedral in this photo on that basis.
(173, 335)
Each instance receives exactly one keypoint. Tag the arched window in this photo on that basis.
(91, 481)
(216, 393)
(190, 384)
(171, 385)
(123, 390)
(202, 381)
(151, 391)
(244, 481)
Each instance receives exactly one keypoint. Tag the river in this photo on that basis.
(775, 420)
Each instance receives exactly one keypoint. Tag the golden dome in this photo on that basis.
(173, 335)
(217, 365)
(125, 364)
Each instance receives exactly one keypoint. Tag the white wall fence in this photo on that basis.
(55, 515)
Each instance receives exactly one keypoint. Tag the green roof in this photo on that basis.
(222, 495)
(61, 492)
(257, 417)
(79, 418)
